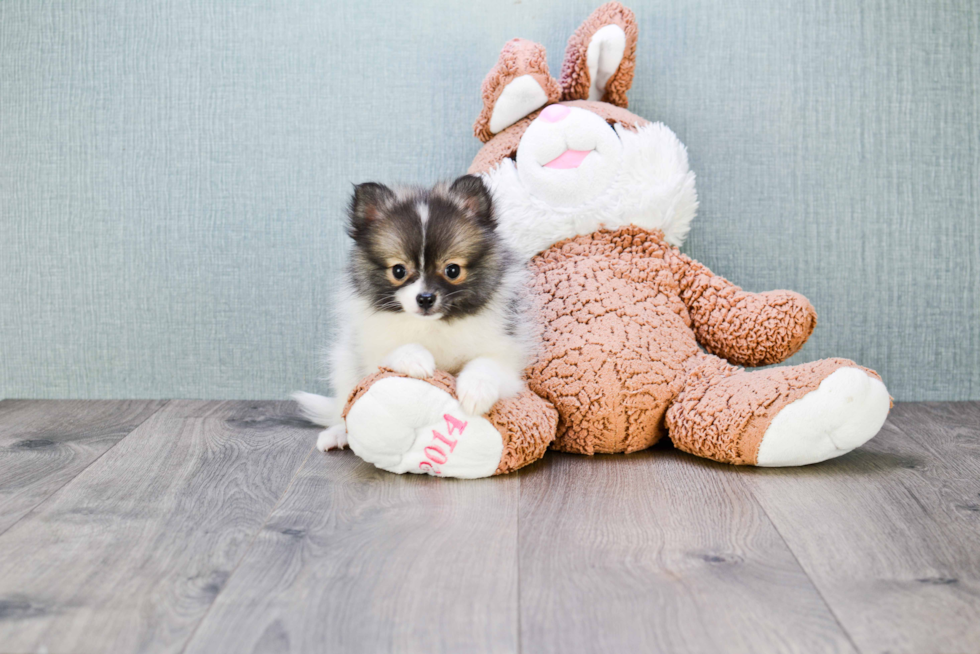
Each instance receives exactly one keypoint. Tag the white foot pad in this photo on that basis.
(844, 412)
(407, 425)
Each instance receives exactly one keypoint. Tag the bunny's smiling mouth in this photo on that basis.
(568, 159)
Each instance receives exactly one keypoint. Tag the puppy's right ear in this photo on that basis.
(366, 206)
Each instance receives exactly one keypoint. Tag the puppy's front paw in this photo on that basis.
(333, 438)
(477, 393)
(412, 360)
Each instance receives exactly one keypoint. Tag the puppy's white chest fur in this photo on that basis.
(452, 344)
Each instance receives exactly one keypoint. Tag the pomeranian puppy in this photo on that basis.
(429, 285)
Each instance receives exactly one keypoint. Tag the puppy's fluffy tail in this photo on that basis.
(318, 409)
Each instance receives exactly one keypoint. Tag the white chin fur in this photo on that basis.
(651, 186)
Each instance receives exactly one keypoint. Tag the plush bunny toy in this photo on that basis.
(598, 200)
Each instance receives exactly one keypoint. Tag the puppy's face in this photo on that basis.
(428, 253)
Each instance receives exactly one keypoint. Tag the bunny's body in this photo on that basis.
(637, 339)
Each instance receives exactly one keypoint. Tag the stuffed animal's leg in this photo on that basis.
(794, 415)
(402, 424)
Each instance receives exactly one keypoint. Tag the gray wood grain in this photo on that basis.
(129, 555)
(658, 552)
(890, 533)
(948, 431)
(197, 530)
(359, 560)
(45, 443)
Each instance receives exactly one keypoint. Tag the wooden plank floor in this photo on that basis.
(213, 527)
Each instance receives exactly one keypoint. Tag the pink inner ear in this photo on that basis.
(568, 159)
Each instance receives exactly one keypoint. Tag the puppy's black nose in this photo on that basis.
(425, 300)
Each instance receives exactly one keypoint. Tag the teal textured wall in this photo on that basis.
(173, 174)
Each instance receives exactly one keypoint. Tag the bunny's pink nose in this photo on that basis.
(555, 112)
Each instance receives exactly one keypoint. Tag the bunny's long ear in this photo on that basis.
(518, 85)
(601, 56)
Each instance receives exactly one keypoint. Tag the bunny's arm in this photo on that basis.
(748, 329)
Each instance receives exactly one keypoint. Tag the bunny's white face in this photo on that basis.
(568, 156)
(573, 180)
(574, 173)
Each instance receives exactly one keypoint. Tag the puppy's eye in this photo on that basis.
(398, 271)
(452, 271)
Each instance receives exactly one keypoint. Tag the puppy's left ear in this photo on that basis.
(475, 196)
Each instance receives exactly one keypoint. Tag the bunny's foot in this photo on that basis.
(401, 424)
